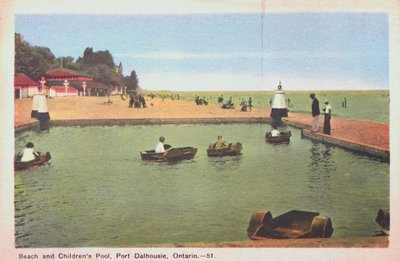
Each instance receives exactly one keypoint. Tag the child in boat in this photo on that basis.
(28, 154)
(275, 132)
(160, 145)
(220, 144)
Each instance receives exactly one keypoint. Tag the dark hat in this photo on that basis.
(162, 138)
(29, 145)
(312, 95)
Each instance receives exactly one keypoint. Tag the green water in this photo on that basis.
(98, 192)
(362, 105)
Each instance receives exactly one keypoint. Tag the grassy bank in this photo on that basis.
(361, 105)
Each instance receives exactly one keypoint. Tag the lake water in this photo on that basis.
(98, 192)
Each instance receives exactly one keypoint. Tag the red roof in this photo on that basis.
(21, 79)
(62, 72)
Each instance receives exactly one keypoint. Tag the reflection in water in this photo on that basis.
(224, 162)
(322, 166)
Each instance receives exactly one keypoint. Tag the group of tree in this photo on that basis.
(34, 61)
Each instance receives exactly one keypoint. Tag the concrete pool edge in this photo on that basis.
(346, 144)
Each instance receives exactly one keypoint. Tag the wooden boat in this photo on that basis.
(382, 220)
(231, 150)
(293, 224)
(228, 106)
(22, 165)
(171, 154)
(282, 138)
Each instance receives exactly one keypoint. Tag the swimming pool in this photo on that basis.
(98, 192)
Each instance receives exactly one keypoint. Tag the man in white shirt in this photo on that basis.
(29, 154)
(160, 145)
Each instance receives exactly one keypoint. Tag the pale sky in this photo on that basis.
(226, 51)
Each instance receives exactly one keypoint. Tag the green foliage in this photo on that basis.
(105, 74)
(131, 82)
(91, 58)
(33, 61)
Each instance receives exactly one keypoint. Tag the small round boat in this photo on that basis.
(171, 154)
(22, 165)
(284, 137)
(292, 224)
(382, 220)
(230, 150)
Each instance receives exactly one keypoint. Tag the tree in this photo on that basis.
(91, 58)
(68, 62)
(131, 82)
(33, 61)
(105, 74)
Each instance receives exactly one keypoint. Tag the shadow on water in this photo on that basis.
(222, 162)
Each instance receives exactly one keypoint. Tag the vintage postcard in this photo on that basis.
(199, 130)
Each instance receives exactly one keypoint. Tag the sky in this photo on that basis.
(227, 51)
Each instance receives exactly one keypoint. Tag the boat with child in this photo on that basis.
(284, 137)
(292, 224)
(170, 154)
(232, 149)
(22, 165)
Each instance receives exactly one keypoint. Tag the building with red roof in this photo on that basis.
(66, 82)
(24, 87)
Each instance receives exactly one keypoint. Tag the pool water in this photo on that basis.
(97, 191)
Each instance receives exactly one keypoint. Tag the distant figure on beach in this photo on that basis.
(160, 145)
(220, 144)
(315, 112)
(327, 120)
(131, 100)
(250, 105)
(275, 132)
(345, 102)
(221, 99)
(230, 101)
(143, 101)
(28, 154)
(243, 103)
(289, 103)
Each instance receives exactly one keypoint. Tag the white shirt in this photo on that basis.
(275, 133)
(160, 147)
(28, 154)
(328, 108)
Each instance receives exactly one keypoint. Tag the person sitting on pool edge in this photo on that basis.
(220, 144)
(275, 132)
(160, 145)
(28, 154)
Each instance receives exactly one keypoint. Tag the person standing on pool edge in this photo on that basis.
(315, 112)
(327, 120)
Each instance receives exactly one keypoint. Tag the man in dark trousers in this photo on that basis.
(315, 112)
